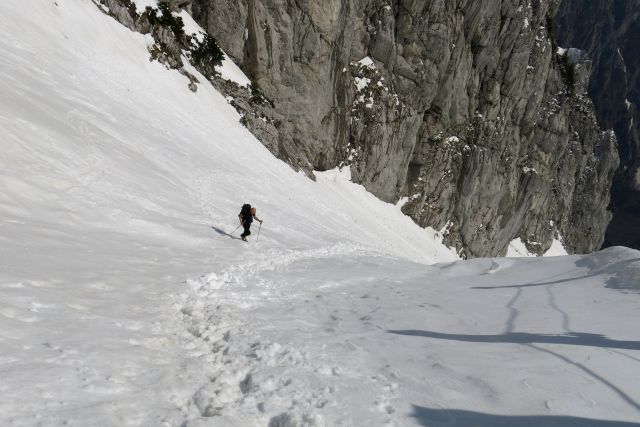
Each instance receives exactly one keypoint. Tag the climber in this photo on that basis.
(247, 214)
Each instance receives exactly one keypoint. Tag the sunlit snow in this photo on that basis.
(127, 299)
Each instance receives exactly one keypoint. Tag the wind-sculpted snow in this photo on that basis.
(621, 265)
(126, 298)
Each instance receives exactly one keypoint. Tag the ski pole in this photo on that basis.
(236, 229)
(259, 228)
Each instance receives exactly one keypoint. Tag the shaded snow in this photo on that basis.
(361, 83)
(367, 62)
(517, 249)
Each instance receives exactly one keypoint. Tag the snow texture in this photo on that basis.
(517, 249)
(141, 5)
(127, 299)
(191, 27)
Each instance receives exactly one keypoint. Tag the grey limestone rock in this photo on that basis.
(463, 107)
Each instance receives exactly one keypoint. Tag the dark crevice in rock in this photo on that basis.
(609, 31)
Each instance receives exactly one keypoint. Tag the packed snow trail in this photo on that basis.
(124, 302)
(378, 341)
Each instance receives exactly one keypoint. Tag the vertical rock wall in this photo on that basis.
(463, 107)
(609, 31)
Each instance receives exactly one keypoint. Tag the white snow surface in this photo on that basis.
(518, 249)
(230, 71)
(125, 300)
(141, 5)
(190, 26)
(367, 62)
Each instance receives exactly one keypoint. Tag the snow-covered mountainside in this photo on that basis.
(126, 300)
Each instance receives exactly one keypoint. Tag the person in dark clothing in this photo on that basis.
(247, 214)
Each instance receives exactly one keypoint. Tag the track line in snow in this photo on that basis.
(244, 371)
(615, 389)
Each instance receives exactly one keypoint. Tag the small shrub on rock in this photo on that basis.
(166, 19)
(208, 52)
(257, 96)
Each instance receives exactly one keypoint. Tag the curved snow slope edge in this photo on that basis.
(123, 301)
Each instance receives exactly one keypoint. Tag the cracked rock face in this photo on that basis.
(609, 31)
(463, 107)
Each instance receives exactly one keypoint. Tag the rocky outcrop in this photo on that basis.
(609, 30)
(463, 108)
(172, 47)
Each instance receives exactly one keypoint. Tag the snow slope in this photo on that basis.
(124, 300)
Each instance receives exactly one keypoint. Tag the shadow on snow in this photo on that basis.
(624, 274)
(530, 340)
(224, 233)
(571, 338)
(459, 418)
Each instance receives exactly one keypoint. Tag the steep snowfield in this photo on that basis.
(125, 301)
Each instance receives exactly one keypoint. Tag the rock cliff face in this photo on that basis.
(609, 31)
(462, 107)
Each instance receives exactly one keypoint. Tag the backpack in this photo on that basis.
(245, 213)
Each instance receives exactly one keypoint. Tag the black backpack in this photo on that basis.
(245, 212)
